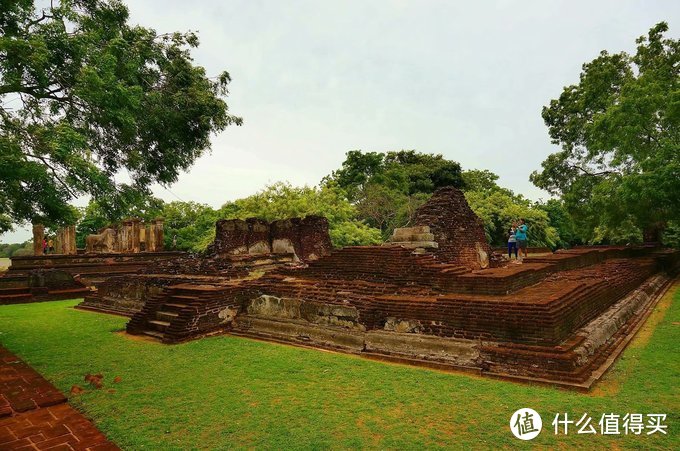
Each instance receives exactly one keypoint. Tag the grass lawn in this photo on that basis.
(4, 263)
(232, 392)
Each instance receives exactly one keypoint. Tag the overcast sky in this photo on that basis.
(315, 79)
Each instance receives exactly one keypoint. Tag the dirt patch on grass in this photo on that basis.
(144, 338)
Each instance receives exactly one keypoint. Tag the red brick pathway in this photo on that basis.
(35, 415)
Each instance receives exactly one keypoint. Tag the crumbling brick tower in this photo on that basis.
(457, 229)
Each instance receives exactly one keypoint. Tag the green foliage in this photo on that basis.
(479, 180)
(85, 96)
(671, 236)
(407, 171)
(190, 223)
(619, 128)
(559, 218)
(387, 187)
(11, 249)
(498, 209)
(23, 252)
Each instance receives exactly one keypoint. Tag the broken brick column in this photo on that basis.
(231, 237)
(38, 237)
(315, 241)
(258, 236)
(284, 236)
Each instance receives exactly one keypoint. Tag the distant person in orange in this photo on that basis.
(50, 246)
(44, 245)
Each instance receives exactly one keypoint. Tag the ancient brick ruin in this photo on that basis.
(130, 236)
(304, 238)
(434, 295)
(457, 230)
(69, 273)
(239, 249)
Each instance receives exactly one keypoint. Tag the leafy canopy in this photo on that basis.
(619, 130)
(387, 187)
(86, 96)
(499, 208)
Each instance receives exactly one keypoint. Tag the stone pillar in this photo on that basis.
(38, 237)
(69, 243)
(125, 236)
(157, 227)
(59, 242)
(134, 232)
(151, 237)
(118, 245)
(144, 236)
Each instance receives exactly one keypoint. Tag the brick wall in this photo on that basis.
(307, 238)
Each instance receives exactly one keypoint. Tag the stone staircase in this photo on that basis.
(179, 312)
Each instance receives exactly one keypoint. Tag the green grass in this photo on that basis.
(231, 392)
(4, 263)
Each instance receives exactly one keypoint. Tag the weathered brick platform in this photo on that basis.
(90, 268)
(40, 285)
(35, 415)
(55, 277)
(435, 295)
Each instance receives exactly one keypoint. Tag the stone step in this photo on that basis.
(175, 305)
(154, 333)
(19, 290)
(16, 296)
(166, 315)
(158, 324)
(184, 297)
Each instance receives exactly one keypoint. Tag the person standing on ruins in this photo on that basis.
(521, 237)
(50, 245)
(512, 241)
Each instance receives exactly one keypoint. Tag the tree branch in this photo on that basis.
(35, 92)
(54, 172)
(587, 172)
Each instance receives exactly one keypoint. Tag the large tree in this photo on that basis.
(619, 130)
(85, 97)
(387, 187)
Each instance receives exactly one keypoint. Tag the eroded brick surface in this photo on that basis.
(35, 415)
